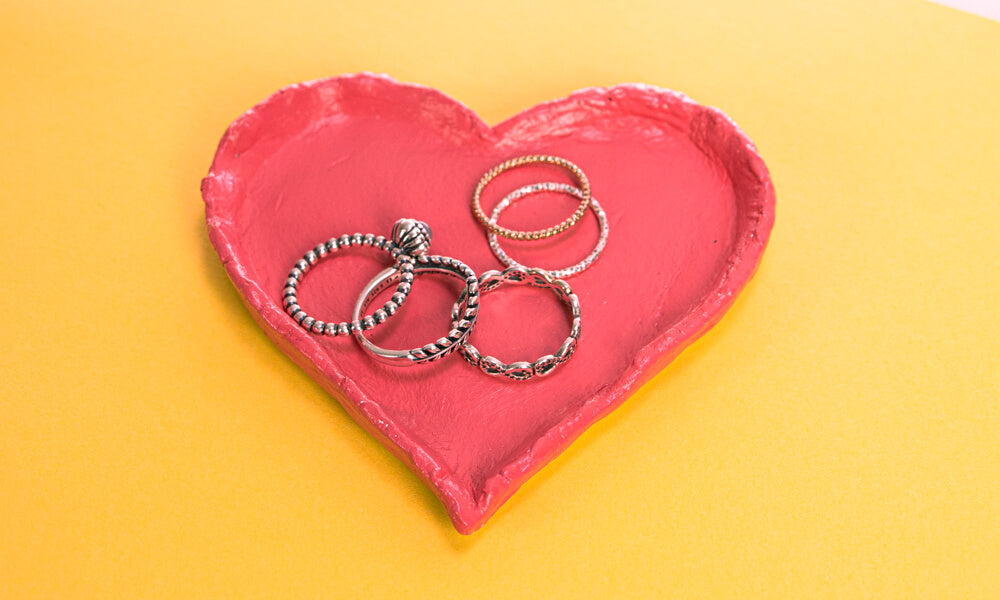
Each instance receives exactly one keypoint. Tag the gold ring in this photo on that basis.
(492, 225)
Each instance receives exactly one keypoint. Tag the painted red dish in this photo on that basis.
(690, 206)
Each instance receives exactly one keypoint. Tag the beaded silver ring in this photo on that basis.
(522, 370)
(410, 239)
(464, 314)
(565, 188)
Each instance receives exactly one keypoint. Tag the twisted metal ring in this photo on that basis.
(492, 225)
(464, 314)
(522, 370)
(511, 198)
(410, 238)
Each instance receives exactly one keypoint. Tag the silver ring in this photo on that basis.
(464, 314)
(511, 198)
(524, 370)
(409, 238)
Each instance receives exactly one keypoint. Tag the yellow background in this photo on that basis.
(837, 435)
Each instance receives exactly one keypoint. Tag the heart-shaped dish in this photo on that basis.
(690, 206)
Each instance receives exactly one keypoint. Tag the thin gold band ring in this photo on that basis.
(581, 181)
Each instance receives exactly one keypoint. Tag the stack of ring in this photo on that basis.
(408, 247)
(410, 238)
(580, 191)
(511, 198)
(493, 226)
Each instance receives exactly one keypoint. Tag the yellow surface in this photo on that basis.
(837, 435)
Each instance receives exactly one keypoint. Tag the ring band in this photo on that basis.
(513, 197)
(491, 225)
(522, 370)
(409, 238)
(464, 314)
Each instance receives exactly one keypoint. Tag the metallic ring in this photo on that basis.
(464, 314)
(410, 238)
(524, 370)
(511, 198)
(492, 226)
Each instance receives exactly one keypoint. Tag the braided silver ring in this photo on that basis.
(464, 314)
(524, 370)
(410, 238)
(513, 197)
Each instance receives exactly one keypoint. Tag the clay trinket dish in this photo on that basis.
(690, 206)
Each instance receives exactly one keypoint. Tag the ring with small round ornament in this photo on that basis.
(410, 238)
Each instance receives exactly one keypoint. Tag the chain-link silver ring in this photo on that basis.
(522, 370)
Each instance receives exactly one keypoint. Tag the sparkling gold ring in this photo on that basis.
(581, 182)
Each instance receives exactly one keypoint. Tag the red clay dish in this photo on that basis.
(690, 206)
